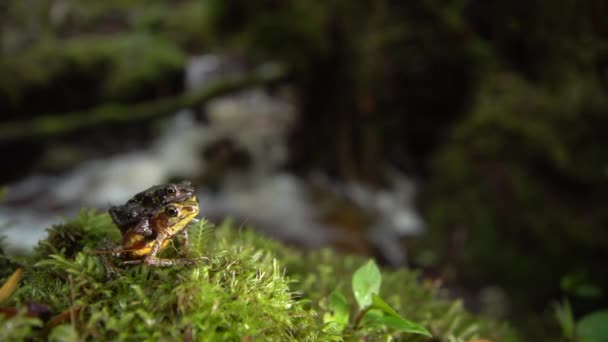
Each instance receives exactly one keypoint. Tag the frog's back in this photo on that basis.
(150, 196)
(145, 203)
(127, 215)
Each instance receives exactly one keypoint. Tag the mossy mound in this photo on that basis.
(241, 292)
(252, 288)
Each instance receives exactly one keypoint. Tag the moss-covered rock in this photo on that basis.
(241, 292)
(252, 288)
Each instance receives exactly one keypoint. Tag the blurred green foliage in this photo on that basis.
(66, 55)
(117, 69)
(592, 327)
(522, 180)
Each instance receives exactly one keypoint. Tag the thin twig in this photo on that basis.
(73, 300)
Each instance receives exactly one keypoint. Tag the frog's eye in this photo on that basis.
(171, 211)
(170, 191)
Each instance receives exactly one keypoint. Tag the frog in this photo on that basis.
(135, 214)
(168, 221)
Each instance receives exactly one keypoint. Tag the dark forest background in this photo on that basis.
(497, 108)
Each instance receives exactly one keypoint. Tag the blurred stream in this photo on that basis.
(237, 154)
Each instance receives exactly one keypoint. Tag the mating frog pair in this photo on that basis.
(150, 219)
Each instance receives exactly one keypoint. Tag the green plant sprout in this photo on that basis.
(592, 327)
(373, 310)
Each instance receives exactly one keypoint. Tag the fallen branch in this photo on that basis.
(58, 124)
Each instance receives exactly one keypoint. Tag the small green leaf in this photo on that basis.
(402, 324)
(370, 318)
(394, 320)
(580, 285)
(366, 281)
(380, 304)
(588, 291)
(593, 327)
(340, 310)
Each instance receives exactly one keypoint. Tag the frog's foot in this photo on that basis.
(173, 262)
(112, 271)
(106, 251)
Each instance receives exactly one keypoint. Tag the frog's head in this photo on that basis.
(174, 192)
(175, 216)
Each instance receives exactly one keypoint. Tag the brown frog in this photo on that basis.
(168, 221)
(136, 213)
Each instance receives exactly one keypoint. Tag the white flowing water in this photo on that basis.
(261, 195)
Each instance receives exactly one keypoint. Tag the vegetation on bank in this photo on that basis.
(252, 288)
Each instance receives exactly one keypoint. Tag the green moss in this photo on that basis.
(19, 328)
(251, 286)
(7, 265)
(90, 70)
(241, 292)
(144, 63)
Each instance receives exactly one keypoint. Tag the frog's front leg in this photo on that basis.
(152, 260)
(185, 248)
(106, 249)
